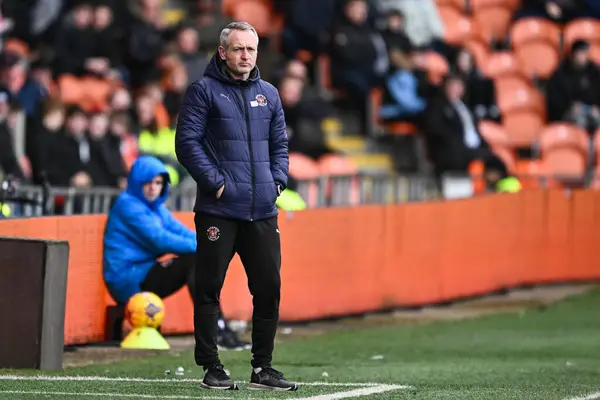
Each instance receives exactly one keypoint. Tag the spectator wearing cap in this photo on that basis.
(573, 91)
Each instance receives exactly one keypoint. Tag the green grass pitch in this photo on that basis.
(549, 354)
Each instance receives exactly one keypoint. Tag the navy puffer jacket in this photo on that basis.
(232, 132)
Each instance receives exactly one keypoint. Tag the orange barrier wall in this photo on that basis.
(348, 260)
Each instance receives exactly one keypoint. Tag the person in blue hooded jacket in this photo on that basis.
(231, 138)
(139, 230)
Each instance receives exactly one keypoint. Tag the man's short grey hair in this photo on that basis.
(234, 26)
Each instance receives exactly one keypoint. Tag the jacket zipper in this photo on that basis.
(244, 89)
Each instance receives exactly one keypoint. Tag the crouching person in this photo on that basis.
(140, 229)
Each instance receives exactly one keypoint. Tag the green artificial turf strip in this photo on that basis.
(550, 354)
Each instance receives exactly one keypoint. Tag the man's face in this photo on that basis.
(240, 54)
(291, 91)
(102, 17)
(77, 124)
(99, 126)
(357, 12)
(395, 23)
(188, 41)
(83, 16)
(154, 188)
(296, 69)
(455, 89)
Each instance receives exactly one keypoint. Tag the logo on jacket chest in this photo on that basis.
(260, 101)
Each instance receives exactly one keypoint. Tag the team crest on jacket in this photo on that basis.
(213, 233)
(261, 100)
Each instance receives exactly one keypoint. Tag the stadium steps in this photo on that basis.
(373, 162)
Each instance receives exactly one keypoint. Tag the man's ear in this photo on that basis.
(222, 53)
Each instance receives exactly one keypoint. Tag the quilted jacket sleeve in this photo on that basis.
(191, 128)
(278, 146)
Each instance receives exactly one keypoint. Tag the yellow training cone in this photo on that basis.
(145, 338)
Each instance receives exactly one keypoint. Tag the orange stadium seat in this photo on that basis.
(596, 147)
(255, 12)
(305, 168)
(460, 5)
(595, 53)
(89, 93)
(458, 28)
(493, 17)
(392, 128)
(564, 149)
(494, 134)
(436, 65)
(333, 165)
(581, 29)
(536, 43)
(480, 50)
(531, 173)
(507, 157)
(527, 30)
(502, 64)
(523, 111)
(17, 46)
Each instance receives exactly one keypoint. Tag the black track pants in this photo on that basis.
(258, 246)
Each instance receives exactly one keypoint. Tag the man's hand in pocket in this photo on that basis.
(220, 192)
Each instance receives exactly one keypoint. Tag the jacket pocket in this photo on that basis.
(229, 188)
(275, 194)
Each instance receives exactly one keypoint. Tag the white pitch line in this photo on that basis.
(80, 378)
(592, 396)
(137, 396)
(357, 392)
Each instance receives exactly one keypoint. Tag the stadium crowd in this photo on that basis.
(100, 81)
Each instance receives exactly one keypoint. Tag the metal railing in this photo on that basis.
(326, 191)
(32, 201)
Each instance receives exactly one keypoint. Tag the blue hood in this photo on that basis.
(145, 169)
(218, 70)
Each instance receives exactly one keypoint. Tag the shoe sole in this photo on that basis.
(205, 386)
(258, 386)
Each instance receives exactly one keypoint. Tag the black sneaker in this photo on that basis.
(215, 377)
(270, 379)
(228, 340)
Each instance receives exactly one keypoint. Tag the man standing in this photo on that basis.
(231, 139)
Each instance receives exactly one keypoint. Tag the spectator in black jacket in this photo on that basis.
(75, 42)
(108, 166)
(573, 91)
(561, 11)
(480, 92)
(356, 57)
(452, 135)
(9, 164)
